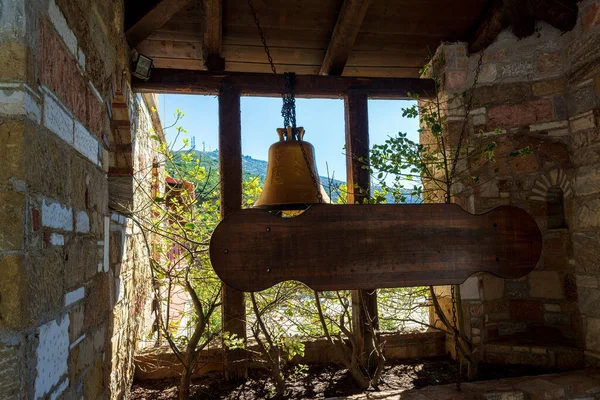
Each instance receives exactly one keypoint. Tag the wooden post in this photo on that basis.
(230, 166)
(364, 302)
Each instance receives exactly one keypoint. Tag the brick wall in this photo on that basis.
(71, 302)
(543, 92)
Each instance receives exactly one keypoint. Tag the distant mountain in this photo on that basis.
(252, 168)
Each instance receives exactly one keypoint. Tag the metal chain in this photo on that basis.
(262, 36)
(456, 342)
(468, 108)
(288, 110)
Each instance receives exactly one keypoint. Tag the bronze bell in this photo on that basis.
(288, 185)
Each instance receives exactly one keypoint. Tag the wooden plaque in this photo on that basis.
(334, 247)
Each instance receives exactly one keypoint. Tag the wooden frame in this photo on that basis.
(249, 84)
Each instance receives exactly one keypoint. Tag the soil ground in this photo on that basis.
(324, 381)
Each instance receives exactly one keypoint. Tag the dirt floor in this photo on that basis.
(324, 381)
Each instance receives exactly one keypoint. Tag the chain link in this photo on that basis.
(456, 340)
(468, 107)
(288, 95)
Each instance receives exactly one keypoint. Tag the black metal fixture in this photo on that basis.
(142, 67)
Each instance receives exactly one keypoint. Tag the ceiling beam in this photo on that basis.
(254, 84)
(154, 19)
(342, 39)
(213, 36)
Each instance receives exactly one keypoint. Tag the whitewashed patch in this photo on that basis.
(57, 239)
(60, 23)
(56, 215)
(74, 296)
(57, 119)
(85, 143)
(106, 242)
(52, 354)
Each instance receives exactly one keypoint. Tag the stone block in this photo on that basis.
(548, 87)
(582, 99)
(12, 286)
(548, 65)
(93, 383)
(13, 61)
(552, 307)
(592, 334)
(45, 278)
(583, 122)
(89, 185)
(507, 116)
(548, 126)
(587, 180)
(97, 301)
(506, 93)
(545, 284)
(81, 255)
(76, 323)
(586, 213)
(526, 310)
(52, 353)
(36, 156)
(589, 302)
(11, 378)
(12, 220)
(587, 281)
(18, 102)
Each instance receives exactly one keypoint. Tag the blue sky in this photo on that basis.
(323, 120)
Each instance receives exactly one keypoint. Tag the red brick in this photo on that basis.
(95, 114)
(591, 17)
(35, 219)
(519, 115)
(526, 310)
(60, 73)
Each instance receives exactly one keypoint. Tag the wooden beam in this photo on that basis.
(230, 169)
(154, 19)
(213, 36)
(342, 39)
(255, 84)
(358, 180)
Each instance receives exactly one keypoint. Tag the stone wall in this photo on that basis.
(542, 92)
(74, 287)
